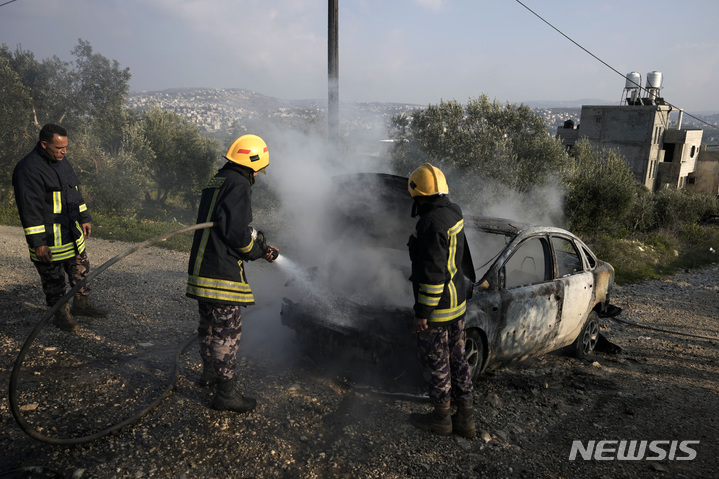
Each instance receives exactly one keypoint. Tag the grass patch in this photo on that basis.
(136, 230)
(660, 254)
(129, 229)
(9, 215)
(655, 255)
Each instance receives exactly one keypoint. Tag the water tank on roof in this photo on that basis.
(632, 85)
(633, 80)
(654, 80)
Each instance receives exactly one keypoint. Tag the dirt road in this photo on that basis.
(312, 421)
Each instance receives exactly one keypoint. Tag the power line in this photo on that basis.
(3, 4)
(608, 65)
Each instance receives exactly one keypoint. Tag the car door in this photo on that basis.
(578, 286)
(531, 301)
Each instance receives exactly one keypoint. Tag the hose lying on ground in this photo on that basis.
(12, 394)
(613, 311)
(652, 328)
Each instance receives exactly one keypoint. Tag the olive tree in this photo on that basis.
(49, 87)
(16, 136)
(114, 182)
(489, 150)
(182, 159)
(99, 91)
(600, 189)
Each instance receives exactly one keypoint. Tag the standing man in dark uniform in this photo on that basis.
(56, 222)
(216, 274)
(437, 249)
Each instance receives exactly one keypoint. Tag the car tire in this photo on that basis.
(585, 343)
(474, 352)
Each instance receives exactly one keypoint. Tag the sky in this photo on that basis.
(403, 51)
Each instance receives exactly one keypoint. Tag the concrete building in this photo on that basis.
(661, 155)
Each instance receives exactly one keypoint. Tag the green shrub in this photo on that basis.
(632, 260)
(663, 242)
(600, 190)
(642, 215)
(675, 208)
(700, 244)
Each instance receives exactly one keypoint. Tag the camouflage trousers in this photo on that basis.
(441, 353)
(219, 335)
(53, 274)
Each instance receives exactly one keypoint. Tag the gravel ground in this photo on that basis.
(312, 420)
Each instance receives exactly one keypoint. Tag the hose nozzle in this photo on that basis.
(272, 253)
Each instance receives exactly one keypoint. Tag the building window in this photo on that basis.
(691, 180)
(669, 152)
(693, 152)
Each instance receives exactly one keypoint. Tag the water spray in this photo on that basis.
(313, 291)
(296, 273)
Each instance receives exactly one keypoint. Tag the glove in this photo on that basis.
(259, 238)
(271, 254)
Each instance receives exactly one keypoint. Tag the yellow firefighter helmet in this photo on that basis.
(427, 180)
(250, 151)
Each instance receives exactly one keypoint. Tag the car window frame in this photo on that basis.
(587, 253)
(549, 265)
(577, 250)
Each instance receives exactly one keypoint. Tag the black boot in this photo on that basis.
(228, 398)
(81, 306)
(209, 376)
(64, 320)
(438, 421)
(463, 419)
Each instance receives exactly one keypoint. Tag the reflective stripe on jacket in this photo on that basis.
(50, 205)
(436, 249)
(216, 271)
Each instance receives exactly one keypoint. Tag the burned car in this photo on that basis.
(538, 289)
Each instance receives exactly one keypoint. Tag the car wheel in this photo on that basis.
(587, 339)
(474, 352)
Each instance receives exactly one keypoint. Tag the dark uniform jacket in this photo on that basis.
(216, 273)
(437, 249)
(50, 204)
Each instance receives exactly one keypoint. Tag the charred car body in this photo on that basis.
(538, 288)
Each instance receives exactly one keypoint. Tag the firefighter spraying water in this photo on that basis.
(216, 272)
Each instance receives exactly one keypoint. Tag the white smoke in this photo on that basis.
(341, 266)
(323, 261)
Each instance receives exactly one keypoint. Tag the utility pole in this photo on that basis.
(333, 69)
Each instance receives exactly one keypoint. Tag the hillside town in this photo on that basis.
(215, 109)
(666, 149)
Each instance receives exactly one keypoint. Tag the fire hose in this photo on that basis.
(12, 394)
(662, 330)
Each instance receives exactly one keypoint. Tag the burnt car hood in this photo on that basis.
(359, 305)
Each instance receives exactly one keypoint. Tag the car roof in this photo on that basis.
(390, 190)
(510, 227)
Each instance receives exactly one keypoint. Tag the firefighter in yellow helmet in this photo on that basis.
(216, 275)
(437, 249)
